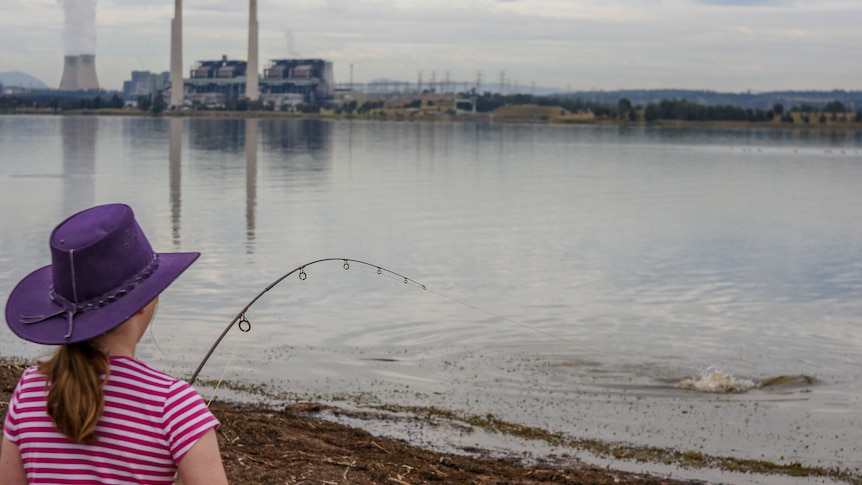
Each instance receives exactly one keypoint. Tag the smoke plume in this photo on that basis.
(79, 32)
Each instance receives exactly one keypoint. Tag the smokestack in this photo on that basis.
(251, 87)
(79, 38)
(177, 85)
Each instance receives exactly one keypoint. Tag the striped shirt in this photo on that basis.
(149, 422)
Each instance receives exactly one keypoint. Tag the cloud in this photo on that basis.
(709, 44)
(746, 3)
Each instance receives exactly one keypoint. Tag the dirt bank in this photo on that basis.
(293, 446)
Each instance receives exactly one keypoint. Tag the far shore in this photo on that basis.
(508, 114)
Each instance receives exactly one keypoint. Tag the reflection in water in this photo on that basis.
(251, 130)
(176, 162)
(79, 162)
(216, 135)
(304, 145)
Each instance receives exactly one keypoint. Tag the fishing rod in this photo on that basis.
(245, 325)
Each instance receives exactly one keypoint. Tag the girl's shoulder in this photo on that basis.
(31, 375)
(131, 368)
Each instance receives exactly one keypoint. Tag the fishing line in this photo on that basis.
(245, 325)
(510, 320)
(153, 332)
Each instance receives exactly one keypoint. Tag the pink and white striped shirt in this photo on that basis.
(150, 421)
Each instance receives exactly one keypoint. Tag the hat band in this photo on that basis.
(70, 308)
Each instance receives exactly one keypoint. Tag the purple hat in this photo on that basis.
(103, 271)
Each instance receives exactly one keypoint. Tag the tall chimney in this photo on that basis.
(177, 85)
(69, 81)
(251, 87)
(87, 80)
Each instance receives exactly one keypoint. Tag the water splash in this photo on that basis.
(716, 380)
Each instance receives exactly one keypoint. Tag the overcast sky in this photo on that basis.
(722, 45)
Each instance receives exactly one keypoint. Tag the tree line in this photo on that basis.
(624, 110)
(11, 103)
(677, 109)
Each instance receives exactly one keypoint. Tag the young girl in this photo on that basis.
(92, 413)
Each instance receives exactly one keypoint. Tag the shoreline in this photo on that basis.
(293, 442)
(400, 115)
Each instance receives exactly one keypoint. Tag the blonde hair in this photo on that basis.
(76, 374)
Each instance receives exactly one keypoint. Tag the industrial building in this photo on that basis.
(312, 78)
(145, 83)
(285, 83)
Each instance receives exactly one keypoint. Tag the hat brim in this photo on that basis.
(32, 297)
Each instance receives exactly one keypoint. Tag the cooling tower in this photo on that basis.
(87, 80)
(69, 81)
(79, 73)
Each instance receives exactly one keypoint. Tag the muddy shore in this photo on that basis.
(294, 446)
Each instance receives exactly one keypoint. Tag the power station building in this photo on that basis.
(285, 82)
(146, 83)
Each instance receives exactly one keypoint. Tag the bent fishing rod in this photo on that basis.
(245, 325)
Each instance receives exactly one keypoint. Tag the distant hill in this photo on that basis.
(764, 100)
(20, 79)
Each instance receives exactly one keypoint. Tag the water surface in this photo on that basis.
(593, 281)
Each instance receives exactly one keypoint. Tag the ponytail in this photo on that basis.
(76, 374)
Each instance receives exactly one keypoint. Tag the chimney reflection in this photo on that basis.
(79, 162)
(251, 135)
(176, 161)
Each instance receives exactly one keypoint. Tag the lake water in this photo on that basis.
(596, 281)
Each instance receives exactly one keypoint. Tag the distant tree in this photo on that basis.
(778, 109)
(835, 107)
(116, 102)
(859, 116)
(787, 118)
(159, 103)
(308, 108)
(144, 103)
(603, 111)
(822, 118)
(624, 107)
(652, 112)
(368, 106)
